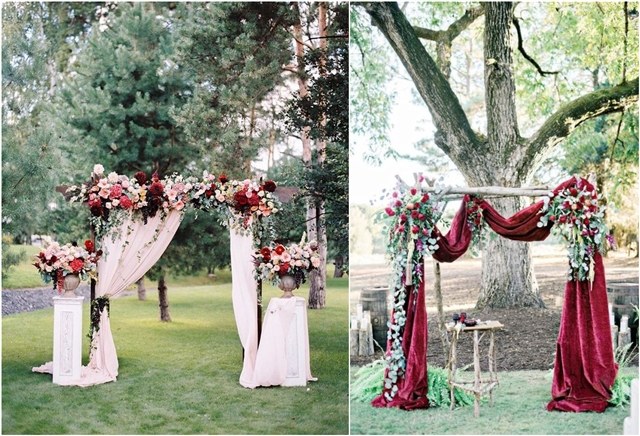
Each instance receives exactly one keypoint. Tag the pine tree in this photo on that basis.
(234, 52)
(125, 87)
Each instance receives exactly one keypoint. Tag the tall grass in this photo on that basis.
(179, 377)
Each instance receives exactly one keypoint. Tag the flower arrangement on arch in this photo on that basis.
(110, 195)
(295, 260)
(578, 217)
(55, 262)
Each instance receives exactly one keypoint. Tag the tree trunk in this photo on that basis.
(507, 278)
(437, 289)
(142, 290)
(163, 300)
(338, 272)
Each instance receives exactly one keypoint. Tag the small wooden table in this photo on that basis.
(477, 387)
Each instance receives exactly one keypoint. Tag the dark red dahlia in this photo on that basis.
(269, 186)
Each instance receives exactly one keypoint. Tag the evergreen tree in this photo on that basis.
(235, 53)
(35, 49)
(120, 100)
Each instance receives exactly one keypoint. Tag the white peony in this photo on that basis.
(113, 177)
(98, 170)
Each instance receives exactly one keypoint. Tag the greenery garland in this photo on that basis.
(98, 305)
(411, 218)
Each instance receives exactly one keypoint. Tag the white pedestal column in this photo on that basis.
(67, 339)
(296, 345)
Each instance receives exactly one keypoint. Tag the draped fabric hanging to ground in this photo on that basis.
(129, 253)
(584, 366)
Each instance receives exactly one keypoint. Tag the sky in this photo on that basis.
(410, 122)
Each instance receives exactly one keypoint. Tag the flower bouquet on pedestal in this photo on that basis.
(287, 266)
(66, 265)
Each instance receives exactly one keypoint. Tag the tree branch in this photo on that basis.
(454, 28)
(448, 116)
(565, 120)
(522, 51)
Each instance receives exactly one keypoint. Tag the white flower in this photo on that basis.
(98, 170)
(113, 177)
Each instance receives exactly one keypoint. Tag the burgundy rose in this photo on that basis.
(401, 228)
(140, 177)
(398, 203)
(156, 189)
(254, 200)
(562, 219)
(573, 191)
(240, 198)
(403, 217)
(389, 211)
(413, 191)
(415, 229)
(223, 178)
(265, 252)
(279, 249)
(270, 186)
(88, 244)
(425, 198)
(422, 217)
(284, 268)
(415, 214)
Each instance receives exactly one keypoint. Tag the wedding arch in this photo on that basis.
(136, 218)
(584, 369)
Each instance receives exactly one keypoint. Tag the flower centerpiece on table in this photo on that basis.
(296, 260)
(55, 262)
(578, 216)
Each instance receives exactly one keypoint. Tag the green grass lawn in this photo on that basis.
(179, 377)
(23, 275)
(519, 408)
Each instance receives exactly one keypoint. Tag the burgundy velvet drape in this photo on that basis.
(584, 367)
(412, 387)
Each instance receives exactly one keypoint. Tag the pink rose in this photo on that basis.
(116, 191)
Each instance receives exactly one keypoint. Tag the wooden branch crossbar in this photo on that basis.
(491, 190)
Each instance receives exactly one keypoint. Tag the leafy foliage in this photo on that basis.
(368, 380)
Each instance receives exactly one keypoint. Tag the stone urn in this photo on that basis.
(71, 282)
(287, 284)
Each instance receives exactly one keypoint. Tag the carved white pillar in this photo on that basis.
(67, 339)
(297, 346)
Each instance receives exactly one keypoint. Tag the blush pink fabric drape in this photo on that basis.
(271, 360)
(128, 255)
(245, 301)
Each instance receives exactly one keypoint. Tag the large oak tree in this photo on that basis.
(502, 156)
